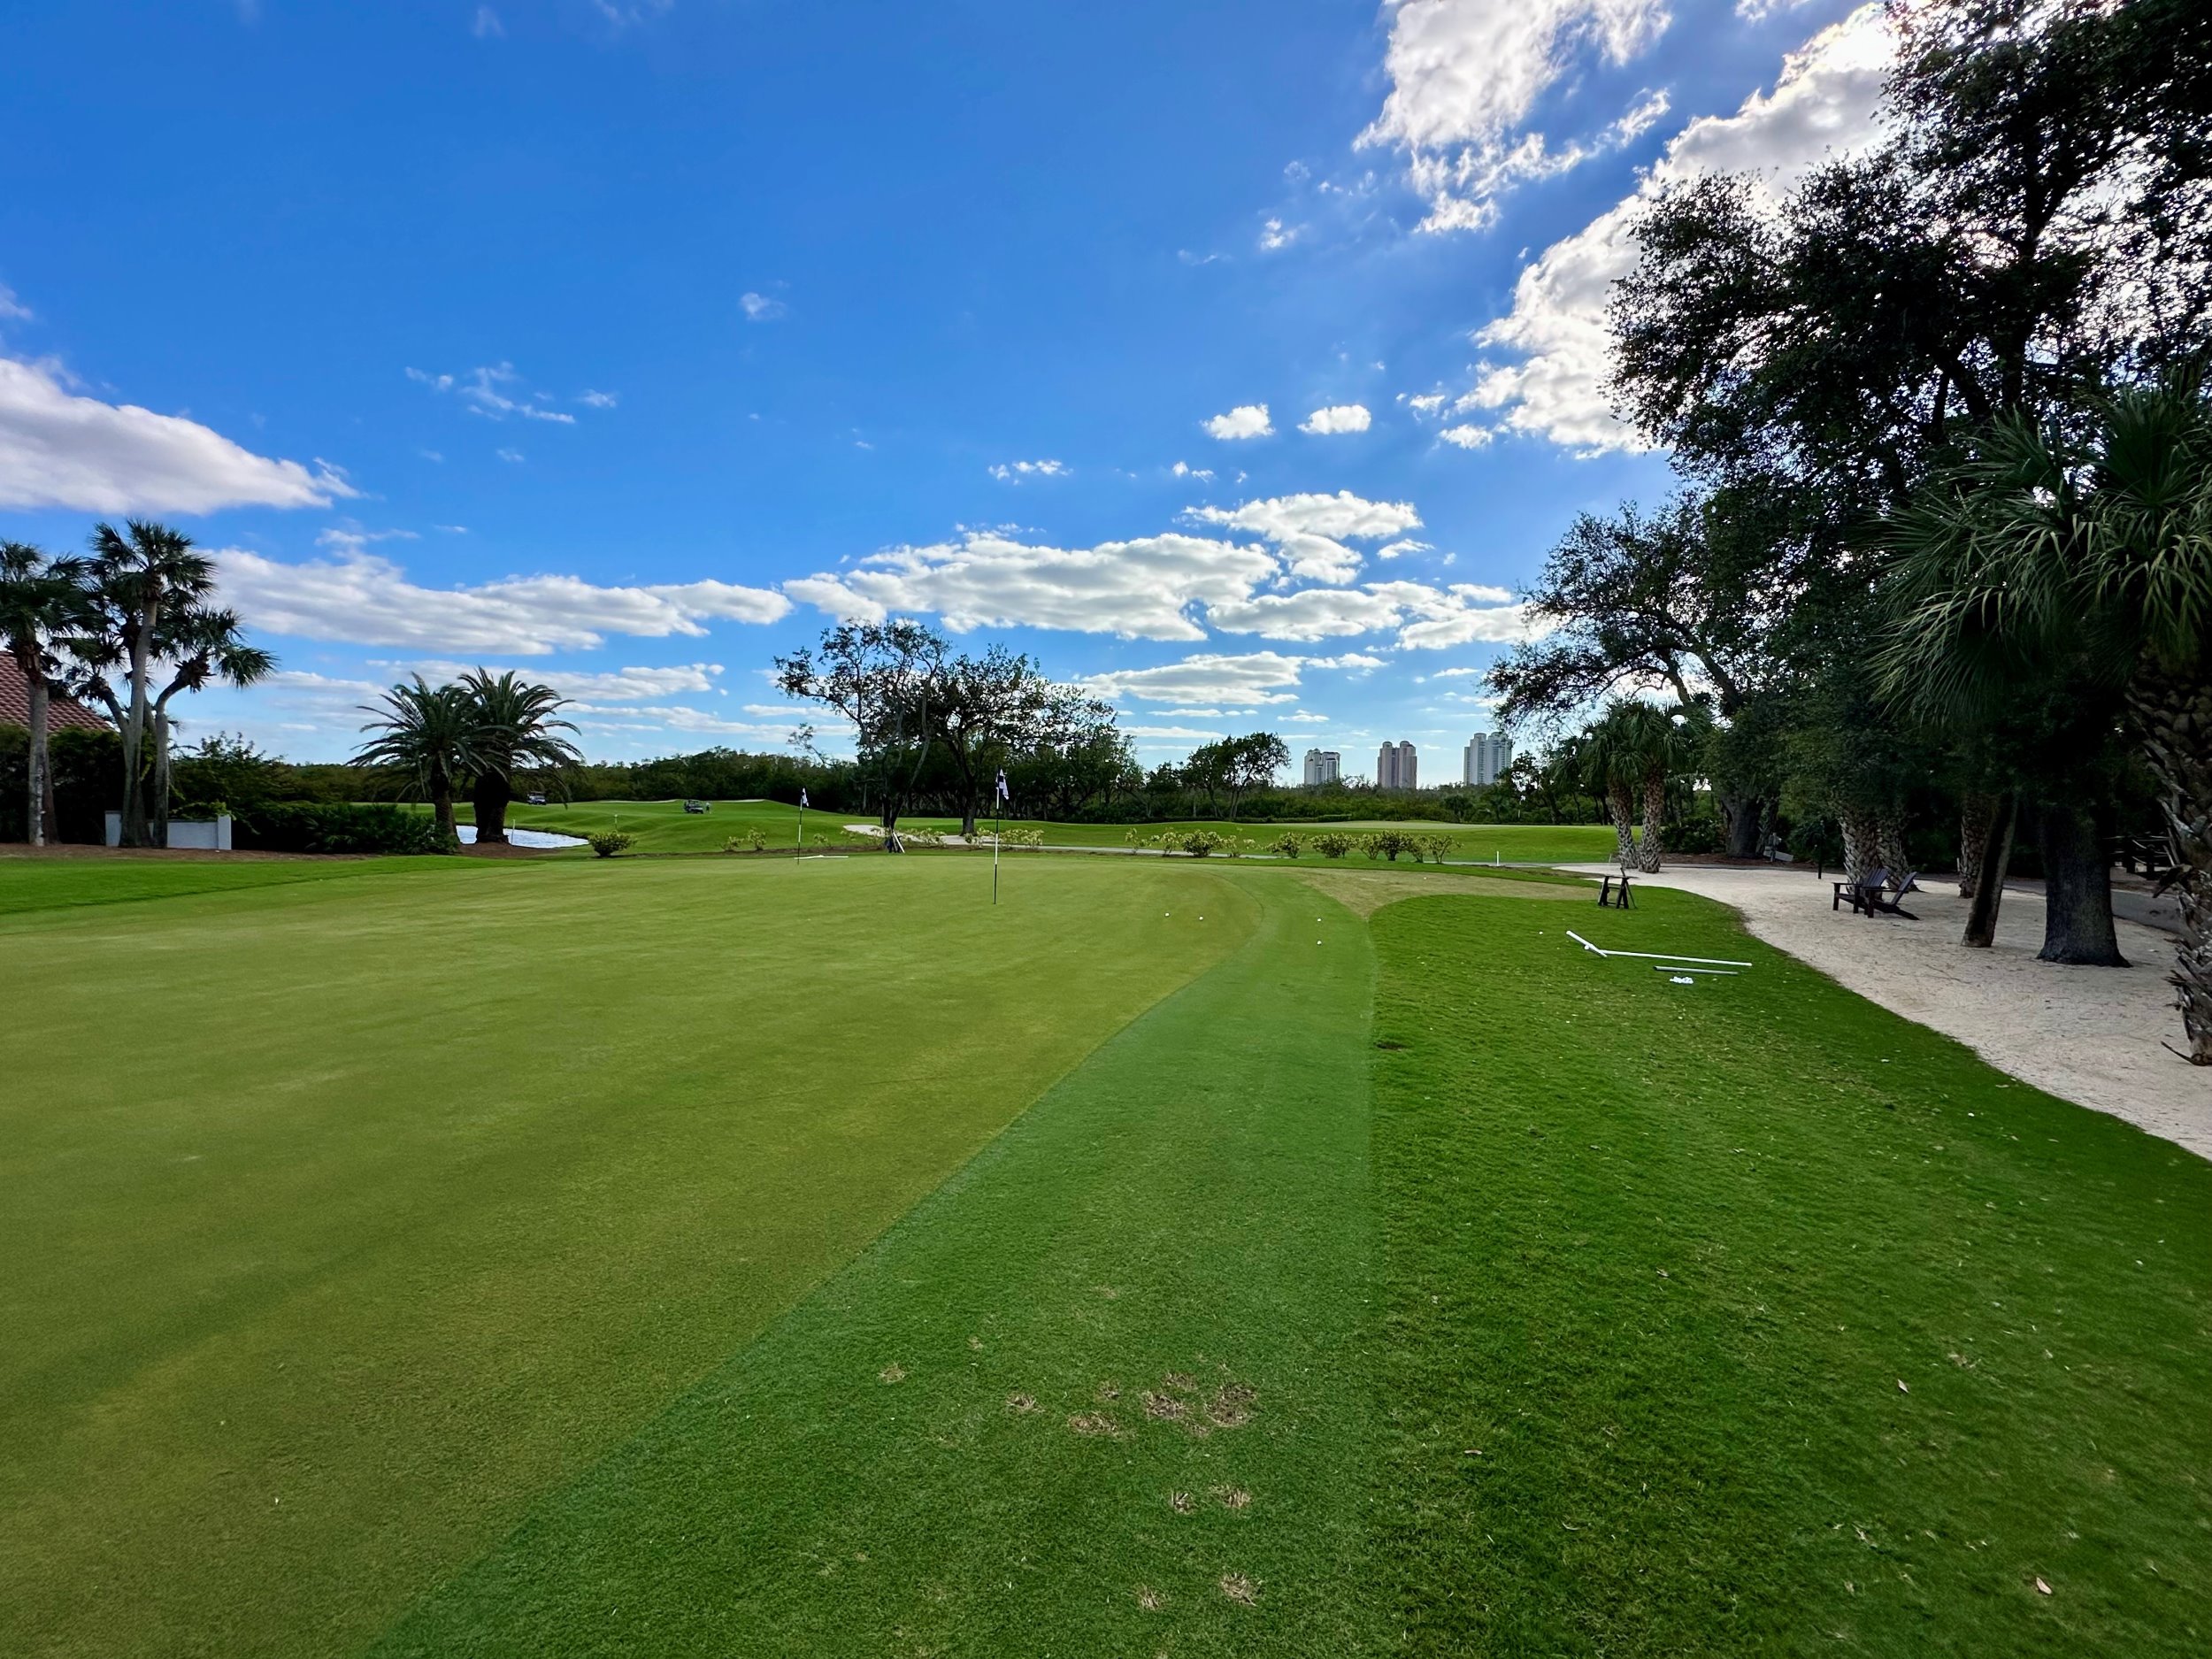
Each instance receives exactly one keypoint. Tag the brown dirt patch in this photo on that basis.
(1094, 1424)
(1233, 1497)
(1163, 1407)
(1239, 1589)
(1230, 1408)
(1181, 1502)
(893, 1373)
(1021, 1403)
(1148, 1599)
(1364, 892)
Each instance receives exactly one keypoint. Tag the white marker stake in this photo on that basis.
(1655, 955)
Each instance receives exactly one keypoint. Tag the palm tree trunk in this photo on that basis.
(1889, 832)
(1618, 806)
(1977, 816)
(2078, 891)
(2177, 723)
(135, 832)
(40, 823)
(1861, 839)
(442, 809)
(490, 797)
(161, 777)
(1655, 812)
(1991, 861)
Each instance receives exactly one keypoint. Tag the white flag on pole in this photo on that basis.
(1001, 787)
(803, 799)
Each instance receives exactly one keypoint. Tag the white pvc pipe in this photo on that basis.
(1655, 955)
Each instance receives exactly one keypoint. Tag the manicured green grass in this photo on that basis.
(345, 1216)
(1523, 843)
(539, 1267)
(50, 884)
(663, 826)
(1744, 1317)
(950, 1448)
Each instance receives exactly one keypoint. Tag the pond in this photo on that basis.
(521, 837)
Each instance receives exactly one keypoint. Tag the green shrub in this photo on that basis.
(1334, 844)
(1288, 846)
(609, 843)
(338, 827)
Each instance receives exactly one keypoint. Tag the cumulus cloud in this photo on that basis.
(1468, 437)
(1337, 418)
(1311, 528)
(365, 599)
(1465, 78)
(1246, 421)
(1274, 235)
(59, 449)
(1013, 472)
(1183, 469)
(760, 308)
(1139, 589)
(613, 685)
(1236, 682)
(1823, 102)
(495, 391)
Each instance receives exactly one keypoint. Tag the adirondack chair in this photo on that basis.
(1875, 893)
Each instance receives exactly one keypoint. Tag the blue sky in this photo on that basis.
(628, 344)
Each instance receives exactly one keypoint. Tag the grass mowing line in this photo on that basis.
(1656, 1260)
(1020, 1422)
(434, 1190)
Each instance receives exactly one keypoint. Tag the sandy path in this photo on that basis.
(2089, 1035)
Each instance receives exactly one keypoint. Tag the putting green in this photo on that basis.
(345, 1215)
(1098, 1394)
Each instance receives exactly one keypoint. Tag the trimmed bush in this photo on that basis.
(337, 826)
(1288, 846)
(609, 843)
(1334, 844)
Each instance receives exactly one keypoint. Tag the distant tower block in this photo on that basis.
(1486, 758)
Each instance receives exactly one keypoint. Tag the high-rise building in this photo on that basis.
(1488, 758)
(1396, 767)
(1323, 765)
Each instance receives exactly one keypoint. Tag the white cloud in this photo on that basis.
(365, 599)
(1303, 718)
(1183, 469)
(1246, 421)
(1465, 78)
(760, 308)
(1425, 402)
(1274, 235)
(1825, 101)
(1007, 472)
(513, 457)
(1188, 734)
(597, 400)
(1425, 616)
(1311, 528)
(1236, 682)
(1317, 613)
(1468, 437)
(491, 391)
(1337, 418)
(1139, 590)
(59, 449)
(487, 25)
(614, 685)
(1397, 549)
(11, 308)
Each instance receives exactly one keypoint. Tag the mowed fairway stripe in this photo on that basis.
(1099, 1395)
(345, 1217)
(1744, 1316)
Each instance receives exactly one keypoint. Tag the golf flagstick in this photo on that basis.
(998, 831)
(801, 851)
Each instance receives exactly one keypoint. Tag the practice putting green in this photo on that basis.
(345, 1215)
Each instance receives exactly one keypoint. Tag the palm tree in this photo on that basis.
(139, 575)
(428, 733)
(1632, 751)
(2045, 556)
(515, 730)
(41, 600)
(203, 644)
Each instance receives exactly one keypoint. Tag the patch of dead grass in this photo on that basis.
(1364, 892)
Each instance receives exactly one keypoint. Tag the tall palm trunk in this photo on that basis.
(441, 806)
(1654, 812)
(1618, 804)
(2078, 891)
(40, 823)
(2177, 723)
(1889, 844)
(1978, 812)
(1862, 838)
(1993, 859)
(161, 777)
(136, 831)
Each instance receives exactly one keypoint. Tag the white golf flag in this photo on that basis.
(803, 799)
(1001, 787)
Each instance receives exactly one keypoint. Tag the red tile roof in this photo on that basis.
(15, 703)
